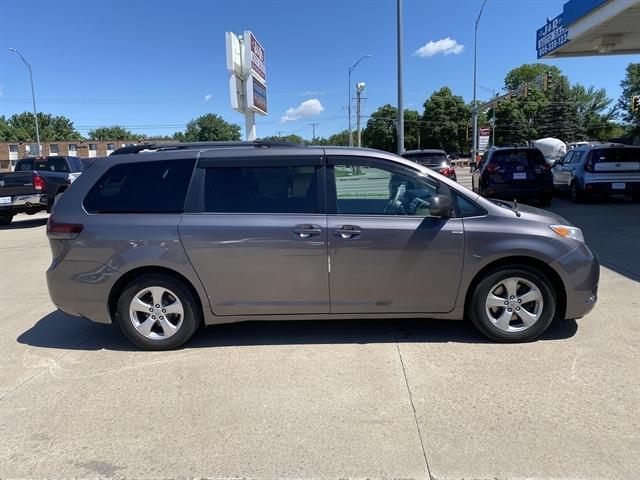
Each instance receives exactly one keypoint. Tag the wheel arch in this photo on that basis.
(125, 279)
(522, 260)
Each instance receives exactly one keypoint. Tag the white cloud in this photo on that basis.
(308, 108)
(312, 93)
(207, 97)
(444, 46)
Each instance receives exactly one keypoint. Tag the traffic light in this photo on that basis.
(546, 81)
(635, 103)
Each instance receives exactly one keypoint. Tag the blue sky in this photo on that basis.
(152, 66)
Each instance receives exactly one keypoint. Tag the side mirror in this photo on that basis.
(440, 206)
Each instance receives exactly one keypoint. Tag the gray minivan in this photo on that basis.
(162, 239)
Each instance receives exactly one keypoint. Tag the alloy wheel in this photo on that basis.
(156, 313)
(514, 304)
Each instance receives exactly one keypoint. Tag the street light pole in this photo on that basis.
(33, 97)
(400, 122)
(475, 87)
(351, 69)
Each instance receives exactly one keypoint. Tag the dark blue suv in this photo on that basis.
(514, 173)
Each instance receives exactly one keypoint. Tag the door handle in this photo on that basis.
(307, 230)
(348, 231)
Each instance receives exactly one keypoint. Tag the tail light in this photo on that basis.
(38, 182)
(62, 231)
(545, 167)
(492, 168)
(447, 171)
(588, 166)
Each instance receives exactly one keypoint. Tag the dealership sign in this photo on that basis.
(484, 134)
(254, 57)
(552, 36)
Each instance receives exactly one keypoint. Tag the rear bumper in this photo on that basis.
(580, 273)
(82, 288)
(22, 203)
(600, 188)
(510, 192)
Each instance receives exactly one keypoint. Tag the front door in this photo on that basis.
(386, 253)
(257, 237)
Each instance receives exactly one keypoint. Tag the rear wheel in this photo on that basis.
(575, 194)
(5, 219)
(158, 312)
(513, 304)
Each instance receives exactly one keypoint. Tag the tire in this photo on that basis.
(151, 331)
(545, 201)
(502, 325)
(575, 195)
(6, 219)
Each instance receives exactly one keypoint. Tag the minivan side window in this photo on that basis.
(143, 187)
(248, 189)
(363, 189)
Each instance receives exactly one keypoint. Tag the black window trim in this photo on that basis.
(195, 196)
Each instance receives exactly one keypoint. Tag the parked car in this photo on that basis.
(164, 241)
(513, 173)
(34, 185)
(436, 160)
(599, 170)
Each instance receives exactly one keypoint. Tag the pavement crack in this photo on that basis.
(413, 408)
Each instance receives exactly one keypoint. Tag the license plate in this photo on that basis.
(619, 186)
(5, 200)
(520, 176)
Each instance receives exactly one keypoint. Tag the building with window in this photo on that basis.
(11, 152)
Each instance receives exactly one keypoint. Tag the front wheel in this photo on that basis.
(513, 304)
(158, 312)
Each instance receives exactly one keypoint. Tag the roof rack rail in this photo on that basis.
(195, 145)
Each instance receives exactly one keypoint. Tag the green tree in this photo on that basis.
(114, 132)
(559, 116)
(512, 125)
(381, 128)
(209, 128)
(6, 134)
(52, 128)
(595, 117)
(338, 139)
(286, 138)
(529, 73)
(444, 122)
(630, 87)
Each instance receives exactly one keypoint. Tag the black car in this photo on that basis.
(513, 173)
(436, 160)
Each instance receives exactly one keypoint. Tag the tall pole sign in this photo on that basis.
(247, 78)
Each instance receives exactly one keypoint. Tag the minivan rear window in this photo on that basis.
(261, 189)
(144, 187)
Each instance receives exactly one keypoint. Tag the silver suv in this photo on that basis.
(162, 239)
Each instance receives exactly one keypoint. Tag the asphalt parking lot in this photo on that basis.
(349, 399)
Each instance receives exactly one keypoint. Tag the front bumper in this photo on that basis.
(580, 272)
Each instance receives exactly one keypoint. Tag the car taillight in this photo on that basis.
(545, 167)
(446, 171)
(588, 166)
(38, 182)
(492, 168)
(62, 231)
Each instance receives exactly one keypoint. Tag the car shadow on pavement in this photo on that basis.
(27, 223)
(59, 330)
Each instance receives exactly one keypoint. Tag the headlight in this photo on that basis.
(568, 232)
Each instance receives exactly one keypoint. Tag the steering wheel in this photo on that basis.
(395, 204)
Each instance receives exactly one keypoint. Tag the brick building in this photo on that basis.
(11, 152)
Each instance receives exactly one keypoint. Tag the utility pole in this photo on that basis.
(359, 88)
(400, 131)
(474, 152)
(33, 97)
(313, 126)
(351, 69)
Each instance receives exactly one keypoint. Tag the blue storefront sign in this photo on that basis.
(552, 36)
